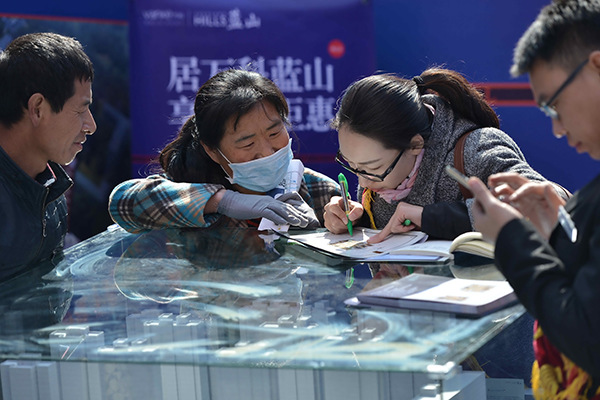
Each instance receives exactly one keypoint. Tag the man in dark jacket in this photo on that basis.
(550, 254)
(45, 86)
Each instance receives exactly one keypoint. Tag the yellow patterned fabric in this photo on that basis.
(554, 376)
(367, 202)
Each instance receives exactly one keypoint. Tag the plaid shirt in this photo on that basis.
(157, 202)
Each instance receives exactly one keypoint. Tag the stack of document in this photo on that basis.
(412, 246)
(468, 297)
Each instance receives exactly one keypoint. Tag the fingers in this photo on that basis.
(397, 224)
(480, 191)
(394, 226)
(335, 208)
(335, 216)
(279, 219)
(502, 192)
(290, 198)
(482, 197)
(532, 191)
(512, 179)
(553, 197)
(381, 236)
(287, 212)
(356, 210)
(490, 214)
(296, 215)
(305, 214)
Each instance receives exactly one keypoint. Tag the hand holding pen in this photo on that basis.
(335, 218)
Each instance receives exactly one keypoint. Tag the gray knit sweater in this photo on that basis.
(487, 151)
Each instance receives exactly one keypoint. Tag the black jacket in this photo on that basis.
(33, 217)
(559, 282)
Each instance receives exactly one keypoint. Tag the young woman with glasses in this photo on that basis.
(397, 135)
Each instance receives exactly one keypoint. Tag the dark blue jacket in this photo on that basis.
(33, 217)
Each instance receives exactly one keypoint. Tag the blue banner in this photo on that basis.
(312, 50)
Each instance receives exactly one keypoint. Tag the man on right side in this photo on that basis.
(555, 272)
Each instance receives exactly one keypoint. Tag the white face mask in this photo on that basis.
(262, 174)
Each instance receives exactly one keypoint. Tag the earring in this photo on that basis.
(558, 135)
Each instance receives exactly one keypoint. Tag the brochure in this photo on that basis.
(355, 246)
(412, 246)
(470, 297)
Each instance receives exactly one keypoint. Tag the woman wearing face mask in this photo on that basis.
(397, 135)
(226, 160)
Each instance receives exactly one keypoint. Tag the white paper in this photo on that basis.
(356, 246)
(465, 291)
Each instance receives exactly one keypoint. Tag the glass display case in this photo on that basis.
(225, 313)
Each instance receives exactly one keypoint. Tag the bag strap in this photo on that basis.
(459, 161)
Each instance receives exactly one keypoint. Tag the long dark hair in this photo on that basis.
(390, 109)
(229, 94)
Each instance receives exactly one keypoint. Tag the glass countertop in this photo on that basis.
(229, 297)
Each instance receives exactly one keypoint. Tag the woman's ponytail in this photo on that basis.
(184, 159)
(463, 97)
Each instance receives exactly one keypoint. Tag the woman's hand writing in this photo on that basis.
(335, 216)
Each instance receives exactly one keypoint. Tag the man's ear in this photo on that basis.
(416, 144)
(595, 59)
(212, 153)
(35, 108)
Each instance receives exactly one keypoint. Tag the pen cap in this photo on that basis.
(293, 177)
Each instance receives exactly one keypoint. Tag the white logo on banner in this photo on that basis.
(163, 17)
(293, 76)
(231, 20)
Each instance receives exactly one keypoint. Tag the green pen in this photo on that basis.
(345, 196)
(407, 222)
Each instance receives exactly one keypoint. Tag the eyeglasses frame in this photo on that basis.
(546, 106)
(365, 174)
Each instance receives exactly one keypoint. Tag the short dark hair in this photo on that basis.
(46, 63)
(229, 94)
(564, 34)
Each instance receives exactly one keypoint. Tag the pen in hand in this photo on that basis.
(567, 224)
(345, 197)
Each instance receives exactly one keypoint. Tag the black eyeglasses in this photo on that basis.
(339, 158)
(547, 107)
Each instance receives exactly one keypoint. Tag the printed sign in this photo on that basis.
(312, 51)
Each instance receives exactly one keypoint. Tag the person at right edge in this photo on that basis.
(555, 274)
